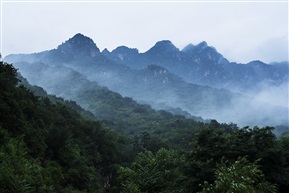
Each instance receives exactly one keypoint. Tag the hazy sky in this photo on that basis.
(240, 31)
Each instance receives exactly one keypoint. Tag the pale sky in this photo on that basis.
(241, 31)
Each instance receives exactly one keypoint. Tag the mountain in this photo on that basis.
(121, 54)
(156, 77)
(157, 86)
(121, 113)
(204, 65)
(149, 86)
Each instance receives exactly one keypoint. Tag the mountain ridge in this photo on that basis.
(163, 83)
(203, 64)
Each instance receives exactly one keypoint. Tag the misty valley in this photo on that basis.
(77, 119)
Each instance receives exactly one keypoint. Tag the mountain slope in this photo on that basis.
(120, 113)
(155, 84)
(150, 86)
(48, 147)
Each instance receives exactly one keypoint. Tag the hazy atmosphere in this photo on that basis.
(242, 32)
(144, 96)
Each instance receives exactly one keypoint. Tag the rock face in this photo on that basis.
(78, 45)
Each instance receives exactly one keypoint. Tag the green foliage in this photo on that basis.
(213, 144)
(47, 146)
(241, 176)
(153, 173)
(20, 173)
(7, 76)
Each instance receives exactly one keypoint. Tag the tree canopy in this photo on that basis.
(51, 145)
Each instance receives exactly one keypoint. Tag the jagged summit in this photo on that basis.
(79, 45)
(204, 54)
(202, 45)
(79, 40)
(105, 51)
(192, 48)
(121, 54)
(164, 46)
(122, 49)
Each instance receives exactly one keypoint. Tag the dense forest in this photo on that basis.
(48, 144)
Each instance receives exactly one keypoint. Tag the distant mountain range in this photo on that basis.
(202, 64)
(163, 77)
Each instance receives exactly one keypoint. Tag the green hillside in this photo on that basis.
(48, 147)
(51, 145)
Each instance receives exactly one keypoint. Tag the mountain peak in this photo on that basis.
(105, 51)
(79, 45)
(124, 49)
(202, 45)
(202, 53)
(188, 48)
(191, 48)
(80, 40)
(164, 46)
(79, 35)
(165, 43)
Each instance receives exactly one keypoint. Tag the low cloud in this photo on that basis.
(268, 107)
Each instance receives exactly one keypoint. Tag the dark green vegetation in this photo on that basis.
(48, 147)
(51, 145)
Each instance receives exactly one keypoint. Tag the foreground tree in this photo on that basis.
(241, 176)
(160, 172)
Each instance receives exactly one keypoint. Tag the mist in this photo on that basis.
(265, 107)
(268, 107)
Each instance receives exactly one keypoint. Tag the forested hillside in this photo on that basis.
(47, 146)
(120, 113)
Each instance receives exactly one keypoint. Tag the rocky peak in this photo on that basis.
(105, 52)
(193, 49)
(202, 45)
(79, 45)
(164, 46)
(202, 53)
(124, 50)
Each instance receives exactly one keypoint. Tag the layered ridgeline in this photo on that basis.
(157, 77)
(48, 144)
(202, 64)
(122, 114)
